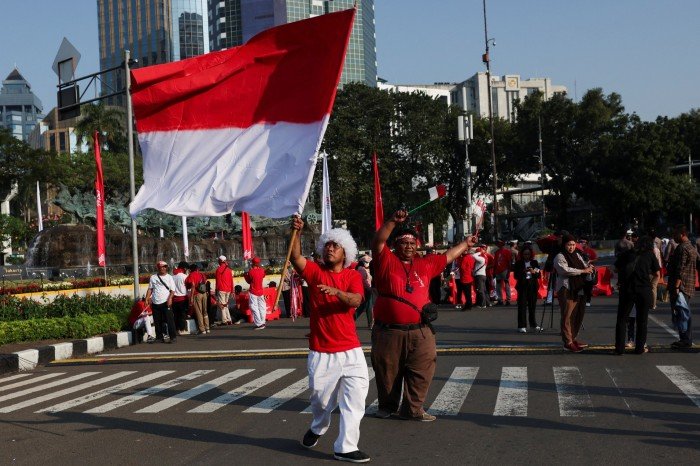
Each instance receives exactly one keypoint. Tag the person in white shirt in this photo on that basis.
(482, 294)
(160, 297)
(180, 298)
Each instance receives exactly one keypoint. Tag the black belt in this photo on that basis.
(399, 326)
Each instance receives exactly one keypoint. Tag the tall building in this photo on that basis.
(155, 31)
(20, 109)
(234, 22)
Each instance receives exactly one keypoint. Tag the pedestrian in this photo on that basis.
(256, 293)
(527, 276)
(570, 269)
(502, 259)
(224, 288)
(338, 375)
(160, 297)
(479, 272)
(196, 283)
(287, 290)
(234, 308)
(403, 345)
(591, 256)
(681, 283)
(180, 299)
(656, 278)
(466, 279)
(625, 243)
(636, 267)
(367, 305)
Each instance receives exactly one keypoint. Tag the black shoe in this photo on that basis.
(310, 439)
(354, 457)
(681, 344)
(507, 303)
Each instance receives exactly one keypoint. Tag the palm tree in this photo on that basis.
(108, 121)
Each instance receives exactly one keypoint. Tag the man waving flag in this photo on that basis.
(238, 130)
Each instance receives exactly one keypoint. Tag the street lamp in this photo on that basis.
(539, 136)
(465, 132)
(487, 60)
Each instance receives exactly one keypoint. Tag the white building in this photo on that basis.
(442, 91)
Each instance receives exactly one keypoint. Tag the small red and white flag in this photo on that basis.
(436, 192)
(239, 129)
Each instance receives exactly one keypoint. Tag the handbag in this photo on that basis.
(202, 287)
(428, 313)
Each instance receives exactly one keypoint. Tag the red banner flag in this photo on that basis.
(99, 202)
(247, 236)
(378, 206)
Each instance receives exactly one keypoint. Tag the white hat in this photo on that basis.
(222, 258)
(341, 237)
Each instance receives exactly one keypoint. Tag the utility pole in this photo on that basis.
(132, 179)
(487, 60)
(539, 136)
(465, 132)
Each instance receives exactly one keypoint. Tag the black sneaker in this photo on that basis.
(310, 439)
(681, 344)
(354, 457)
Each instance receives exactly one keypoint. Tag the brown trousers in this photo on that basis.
(572, 310)
(403, 357)
(199, 302)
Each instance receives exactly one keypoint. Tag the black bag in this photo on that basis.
(428, 313)
(202, 287)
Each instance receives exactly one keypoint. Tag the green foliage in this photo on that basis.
(78, 326)
(110, 123)
(13, 229)
(12, 308)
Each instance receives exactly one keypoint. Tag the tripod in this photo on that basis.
(549, 301)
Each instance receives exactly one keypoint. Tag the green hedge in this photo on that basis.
(80, 326)
(13, 309)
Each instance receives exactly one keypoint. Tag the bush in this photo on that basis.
(12, 308)
(81, 326)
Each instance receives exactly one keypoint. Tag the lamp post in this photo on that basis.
(539, 136)
(465, 132)
(487, 60)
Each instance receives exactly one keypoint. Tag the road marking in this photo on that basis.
(102, 393)
(614, 376)
(65, 391)
(512, 392)
(55, 383)
(370, 376)
(191, 393)
(280, 398)
(240, 392)
(451, 398)
(14, 377)
(147, 392)
(686, 381)
(663, 326)
(31, 381)
(574, 400)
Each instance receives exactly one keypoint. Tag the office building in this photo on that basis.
(233, 22)
(439, 91)
(54, 135)
(155, 31)
(20, 109)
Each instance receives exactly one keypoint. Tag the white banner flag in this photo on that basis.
(326, 215)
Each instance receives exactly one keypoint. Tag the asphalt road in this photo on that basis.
(498, 400)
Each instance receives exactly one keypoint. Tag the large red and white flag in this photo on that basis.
(99, 202)
(239, 129)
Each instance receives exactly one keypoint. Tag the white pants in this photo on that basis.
(338, 380)
(145, 322)
(258, 308)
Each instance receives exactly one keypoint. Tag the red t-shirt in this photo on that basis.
(466, 268)
(224, 278)
(332, 323)
(502, 259)
(391, 276)
(255, 276)
(194, 279)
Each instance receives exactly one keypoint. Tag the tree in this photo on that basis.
(108, 121)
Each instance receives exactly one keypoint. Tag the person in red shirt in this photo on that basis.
(196, 283)
(490, 279)
(224, 288)
(466, 279)
(403, 347)
(338, 375)
(256, 293)
(502, 260)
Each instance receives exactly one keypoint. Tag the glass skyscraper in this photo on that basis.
(233, 22)
(20, 109)
(155, 31)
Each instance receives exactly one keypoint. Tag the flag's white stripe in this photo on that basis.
(66, 391)
(614, 376)
(512, 392)
(146, 392)
(29, 382)
(684, 380)
(370, 376)
(280, 398)
(102, 393)
(450, 399)
(14, 377)
(433, 192)
(265, 169)
(574, 400)
(240, 392)
(191, 393)
(46, 386)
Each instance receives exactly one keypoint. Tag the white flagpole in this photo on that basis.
(40, 223)
(185, 243)
(326, 215)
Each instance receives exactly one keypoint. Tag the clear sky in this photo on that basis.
(646, 50)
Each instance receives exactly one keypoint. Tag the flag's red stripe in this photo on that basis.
(288, 73)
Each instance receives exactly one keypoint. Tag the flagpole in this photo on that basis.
(292, 239)
(421, 206)
(40, 221)
(132, 179)
(185, 242)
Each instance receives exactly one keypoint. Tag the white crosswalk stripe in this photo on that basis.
(46, 386)
(240, 392)
(574, 400)
(146, 392)
(65, 391)
(196, 391)
(14, 377)
(451, 398)
(102, 393)
(280, 398)
(5, 388)
(512, 392)
(684, 380)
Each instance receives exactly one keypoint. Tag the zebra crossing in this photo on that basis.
(150, 392)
